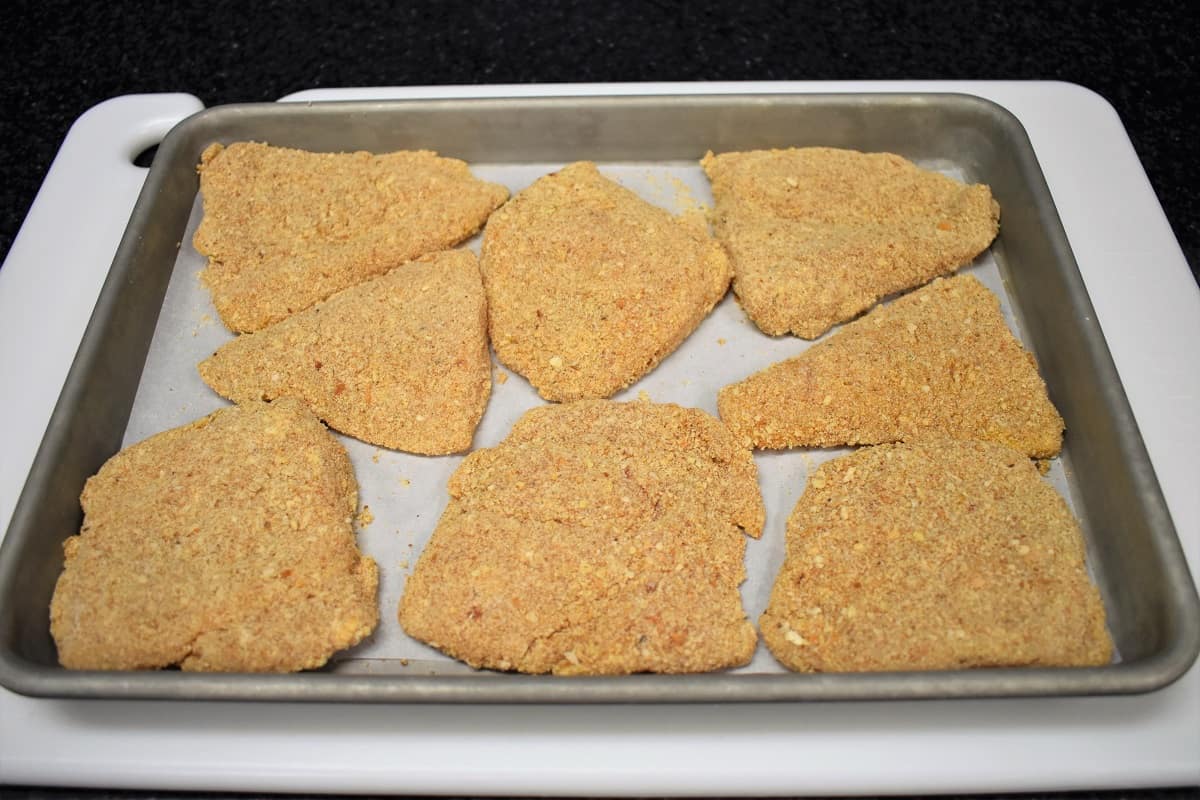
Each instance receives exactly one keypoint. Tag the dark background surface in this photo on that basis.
(61, 58)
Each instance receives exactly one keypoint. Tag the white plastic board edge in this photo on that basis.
(58, 261)
(1151, 315)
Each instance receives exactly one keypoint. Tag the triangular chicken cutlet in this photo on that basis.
(284, 228)
(938, 554)
(597, 538)
(940, 360)
(818, 235)
(400, 361)
(590, 287)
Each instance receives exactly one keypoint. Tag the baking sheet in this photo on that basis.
(815, 749)
(406, 493)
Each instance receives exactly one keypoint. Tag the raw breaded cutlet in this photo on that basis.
(590, 287)
(938, 554)
(938, 360)
(400, 361)
(284, 228)
(598, 538)
(222, 545)
(818, 235)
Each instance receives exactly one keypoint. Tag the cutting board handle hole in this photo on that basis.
(145, 158)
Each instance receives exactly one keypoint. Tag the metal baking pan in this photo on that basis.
(1134, 553)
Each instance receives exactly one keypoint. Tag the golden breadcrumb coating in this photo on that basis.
(590, 287)
(222, 545)
(284, 229)
(937, 554)
(938, 360)
(598, 538)
(400, 361)
(818, 235)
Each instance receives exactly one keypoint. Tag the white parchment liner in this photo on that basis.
(406, 493)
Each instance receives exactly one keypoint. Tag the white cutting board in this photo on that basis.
(1148, 306)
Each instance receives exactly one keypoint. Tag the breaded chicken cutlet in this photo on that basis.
(940, 360)
(938, 554)
(818, 235)
(597, 538)
(400, 361)
(590, 287)
(284, 229)
(222, 545)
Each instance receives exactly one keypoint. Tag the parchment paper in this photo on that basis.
(406, 493)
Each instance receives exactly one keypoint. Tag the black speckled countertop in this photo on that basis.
(61, 58)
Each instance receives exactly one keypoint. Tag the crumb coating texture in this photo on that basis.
(940, 360)
(223, 545)
(590, 287)
(400, 361)
(818, 235)
(284, 229)
(598, 538)
(939, 554)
